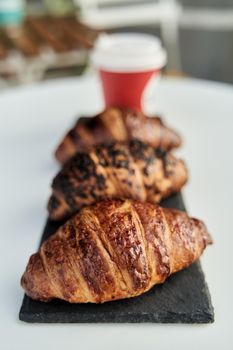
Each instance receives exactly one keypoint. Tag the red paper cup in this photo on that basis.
(126, 63)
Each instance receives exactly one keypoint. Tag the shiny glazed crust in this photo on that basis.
(112, 250)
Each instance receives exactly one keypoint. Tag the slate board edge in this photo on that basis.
(203, 317)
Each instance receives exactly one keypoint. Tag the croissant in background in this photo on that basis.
(116, 124)
(132, 170)
(112, 250)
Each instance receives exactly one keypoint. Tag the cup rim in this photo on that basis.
(128, 52)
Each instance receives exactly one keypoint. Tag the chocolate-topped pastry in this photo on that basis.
(116, 124)
(128, 170)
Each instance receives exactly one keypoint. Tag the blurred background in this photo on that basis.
(44, 39)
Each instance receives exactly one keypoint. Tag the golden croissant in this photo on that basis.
(116, 124)
(112, 250)
(132, 170)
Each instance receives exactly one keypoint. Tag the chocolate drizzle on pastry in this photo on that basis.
(116, 124)
(128, 170)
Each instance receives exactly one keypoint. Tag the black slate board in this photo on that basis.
(183, 298)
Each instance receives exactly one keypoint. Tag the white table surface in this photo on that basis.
(32, 120)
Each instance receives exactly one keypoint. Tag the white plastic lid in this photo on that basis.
(128, 52)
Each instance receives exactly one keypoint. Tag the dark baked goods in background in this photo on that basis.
(132, 170)
(116, 124)
(61, 34)
(112, 250)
